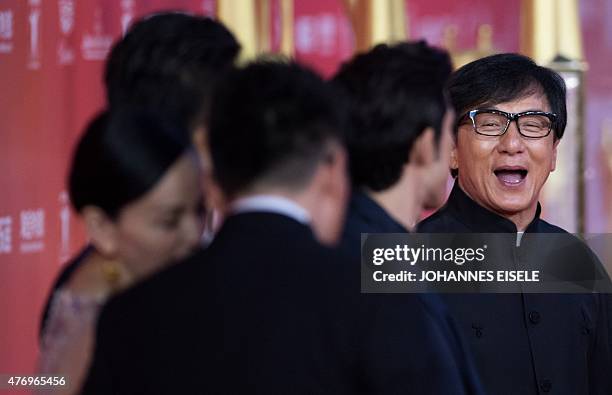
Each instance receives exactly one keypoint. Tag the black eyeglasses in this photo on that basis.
(530, 124)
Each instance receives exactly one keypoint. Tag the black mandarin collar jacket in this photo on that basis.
(528, 343)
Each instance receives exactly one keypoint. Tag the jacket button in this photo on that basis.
(546, 385)
(534, 317)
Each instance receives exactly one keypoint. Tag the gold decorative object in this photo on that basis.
(551, 28)
(239, 16)
(375, 21)
(484, 45)
(551, 35)
(251, 22)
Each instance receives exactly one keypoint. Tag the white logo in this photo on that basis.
(208, 8)
(32, 224)
(65, 54)
(5, 235)
(127, 8)
(34, 20)
(64, 227)
(304, 34)
(66, 15)
(95, 46)
(32, 230)
(6, 31)
(6, 25)
(316, 34)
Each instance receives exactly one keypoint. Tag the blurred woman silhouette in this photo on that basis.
(135, 182)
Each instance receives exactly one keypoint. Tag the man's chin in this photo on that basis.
(509, 207)
(434, 202)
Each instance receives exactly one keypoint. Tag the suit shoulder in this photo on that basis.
(440, 221)
(547, 227)
(161, 291)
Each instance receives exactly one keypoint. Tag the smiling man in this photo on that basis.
(511, 118)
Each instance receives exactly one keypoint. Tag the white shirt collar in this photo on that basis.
(272, 204)
(519, 236)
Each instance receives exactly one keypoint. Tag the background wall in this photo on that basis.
(51, 60)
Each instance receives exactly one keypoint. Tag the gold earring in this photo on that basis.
(112, 273)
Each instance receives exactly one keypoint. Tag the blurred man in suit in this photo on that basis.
(267, 307)
(399, 140)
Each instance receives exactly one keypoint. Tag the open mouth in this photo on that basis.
(511, 176)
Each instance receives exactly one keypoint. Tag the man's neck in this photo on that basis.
(403, 201)
(521, 219)
(274, 203)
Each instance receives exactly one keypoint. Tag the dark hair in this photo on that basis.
(395, 93)
(505, 77)
(120, 157)
(170, 62)
(271, 123)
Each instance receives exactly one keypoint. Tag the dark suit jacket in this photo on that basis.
(366, 216)
(527, 343)
(266, 309)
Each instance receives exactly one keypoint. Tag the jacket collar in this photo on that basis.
(373, 214)
(480, 219)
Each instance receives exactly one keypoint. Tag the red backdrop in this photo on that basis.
(51, 59)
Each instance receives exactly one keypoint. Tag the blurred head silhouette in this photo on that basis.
(135, 181)
(275, 128)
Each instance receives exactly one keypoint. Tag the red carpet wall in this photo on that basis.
(51, 60)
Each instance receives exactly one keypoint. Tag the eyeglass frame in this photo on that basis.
(509, 118)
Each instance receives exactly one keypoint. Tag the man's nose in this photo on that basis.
(511, 142)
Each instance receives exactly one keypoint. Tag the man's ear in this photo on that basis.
(423, 151)
(331, 182)
(101, 230)
(335, 170)
(553, 163)
(200, 142)
(454, 161)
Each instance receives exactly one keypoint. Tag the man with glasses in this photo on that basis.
(511, 115)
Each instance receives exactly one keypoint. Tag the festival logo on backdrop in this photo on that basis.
(34, 22)
(32, 231)
(64, 216)
(65, 53)
(6, 31)
(6, 242)
(316, 34)
(208, 8)
(96, 44)
(127, 14)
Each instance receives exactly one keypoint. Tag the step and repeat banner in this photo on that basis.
(52, 55)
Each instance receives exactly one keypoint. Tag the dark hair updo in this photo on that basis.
(121, 156)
